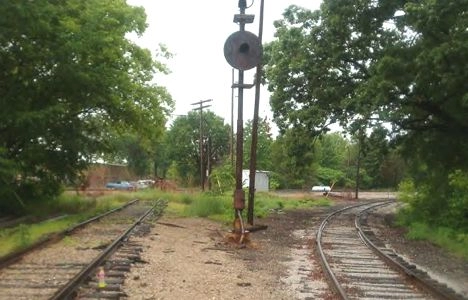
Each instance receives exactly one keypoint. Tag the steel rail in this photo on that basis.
(395, 264)
(11, 258)
(70, 287)
(336, 285)
(100, 216)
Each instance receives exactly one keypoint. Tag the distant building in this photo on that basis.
(262, 181)
(99, 174)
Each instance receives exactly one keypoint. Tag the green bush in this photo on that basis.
(74, 204)
(186, 199)
(441, 202)
(437, 210)
(206, 206)
(447, 238)
(24, 235)
(222, 179)
(458, 200)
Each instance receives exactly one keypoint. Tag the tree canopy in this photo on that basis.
(292, 154)
(71, 81)
(264, 142)
(361, 63)
(183, 138)
(385, 61)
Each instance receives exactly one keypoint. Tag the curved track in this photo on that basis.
(358, 271)
(56, 270)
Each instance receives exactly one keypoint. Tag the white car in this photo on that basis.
(144, 184)
(321, 188)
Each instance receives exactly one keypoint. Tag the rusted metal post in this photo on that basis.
(242, 51)
(200, 143)
(253, 146)
(239, 195)
(231, 137)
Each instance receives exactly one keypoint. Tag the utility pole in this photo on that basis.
(253, 146)
(239, 197)
(200, 141)
(208, 162)
(358, 164)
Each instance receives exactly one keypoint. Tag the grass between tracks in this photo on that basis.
(58, 215)
(220, 207)
(70, 209)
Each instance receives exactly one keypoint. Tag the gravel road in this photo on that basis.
(193, 258)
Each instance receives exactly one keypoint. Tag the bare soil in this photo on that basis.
(192, 258)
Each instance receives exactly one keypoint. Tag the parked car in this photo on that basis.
(120, 185)
(144, 183)
(321, 188)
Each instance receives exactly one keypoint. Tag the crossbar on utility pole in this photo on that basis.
(200, 142)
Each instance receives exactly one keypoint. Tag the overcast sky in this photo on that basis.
(195, 32)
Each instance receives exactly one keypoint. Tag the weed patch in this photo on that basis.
(453, 241)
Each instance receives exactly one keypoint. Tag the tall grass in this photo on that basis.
(220, 207)
(23, 235)
(205, 206)
(75, 209)
(455, 242)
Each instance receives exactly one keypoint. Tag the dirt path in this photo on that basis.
(195, 260)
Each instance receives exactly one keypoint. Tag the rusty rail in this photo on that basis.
(66, 291)
(421, 282)
(11, 258)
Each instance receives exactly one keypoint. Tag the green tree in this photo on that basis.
(375, 148)
(364, 62)
(184, 137)
(330, 151)
(222, 178)
(292, 154)
(393, 169)
(161, 161)
(70, 81)
(331, 158)
(317, 68)
(264, 141)
(131, 150)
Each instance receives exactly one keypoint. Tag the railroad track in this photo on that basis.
(358, 267)
(67, 269)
